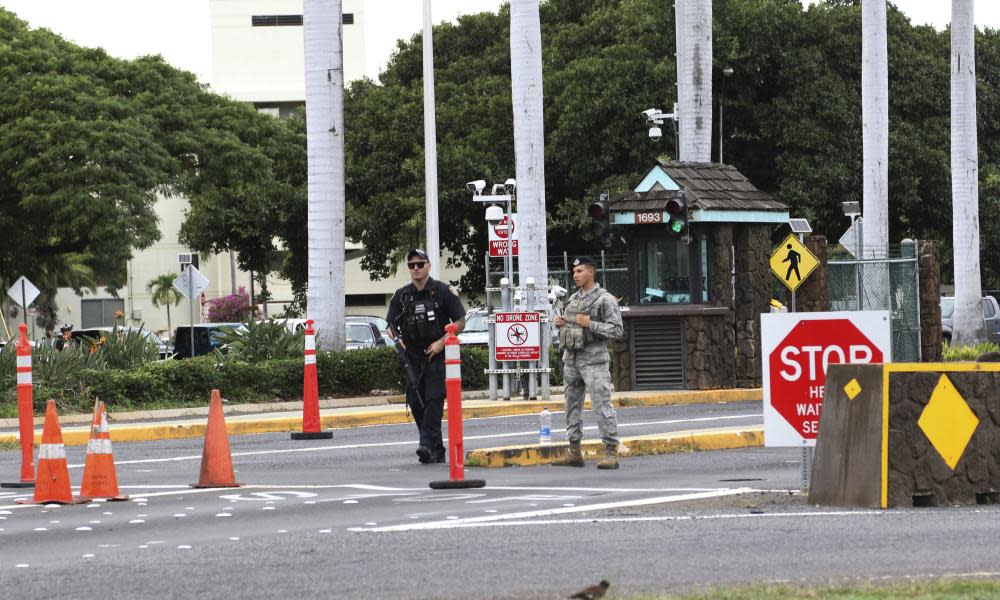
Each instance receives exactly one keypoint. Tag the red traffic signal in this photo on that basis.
(600, 217)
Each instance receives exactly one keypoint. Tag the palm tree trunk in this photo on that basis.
(875, 128)
(968, 318)
(170, 330)
(529, 139)
(694, 79)
(324, 78)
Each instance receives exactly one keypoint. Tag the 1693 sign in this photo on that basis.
(648, 218)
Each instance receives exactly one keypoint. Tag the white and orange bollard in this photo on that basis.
(311, 427)
(453, 388)
(25, 412)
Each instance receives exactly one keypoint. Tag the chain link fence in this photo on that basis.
(882, 284)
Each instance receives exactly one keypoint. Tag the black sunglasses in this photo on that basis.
(416, 265)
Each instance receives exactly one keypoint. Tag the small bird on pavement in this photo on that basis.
(593, 592)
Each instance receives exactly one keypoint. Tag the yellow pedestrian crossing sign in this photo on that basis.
(792, 262)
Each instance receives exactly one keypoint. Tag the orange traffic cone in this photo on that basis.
(99, 478)
(52, 479)
(216, 462)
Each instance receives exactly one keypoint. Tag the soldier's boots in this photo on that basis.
(610, 460)
(573, 459)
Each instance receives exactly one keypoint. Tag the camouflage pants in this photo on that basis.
(595, 378)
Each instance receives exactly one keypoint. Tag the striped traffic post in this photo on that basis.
(25, 412)
(311, 429)
(453, 387)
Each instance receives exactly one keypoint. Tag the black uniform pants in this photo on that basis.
(428, 418)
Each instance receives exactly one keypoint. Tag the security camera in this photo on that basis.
(498, 189)
(649, 113)
(510, 185)
(556, 292)
(476, 186)
(655, 133)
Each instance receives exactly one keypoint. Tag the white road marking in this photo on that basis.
(410, 442)
(88, 556)
(528, 497)
(446, 525)
(83, 529)
(557, 511)
(183, 547)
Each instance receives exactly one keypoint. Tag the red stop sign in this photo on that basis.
(798, 367)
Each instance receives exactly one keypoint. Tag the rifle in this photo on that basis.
(412, 381)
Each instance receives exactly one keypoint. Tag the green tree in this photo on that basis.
(164, 294)
(89, 142)
(792, 106)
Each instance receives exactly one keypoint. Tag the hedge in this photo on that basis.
(176, 383)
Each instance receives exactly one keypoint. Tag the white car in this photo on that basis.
(476, 332)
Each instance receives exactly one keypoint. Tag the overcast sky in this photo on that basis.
(178, 29)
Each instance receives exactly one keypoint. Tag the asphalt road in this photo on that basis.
(353, 517)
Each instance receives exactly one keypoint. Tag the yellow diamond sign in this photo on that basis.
(792, 262)
(852, 389)
(948, 422)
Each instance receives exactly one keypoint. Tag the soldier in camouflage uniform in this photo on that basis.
(591, 318)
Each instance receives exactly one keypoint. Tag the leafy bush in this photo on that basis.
(234, 307)
(74, 378)
(262, 340)
(122, 348)
(967, 353)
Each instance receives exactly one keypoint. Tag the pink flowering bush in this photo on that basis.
(231, 308)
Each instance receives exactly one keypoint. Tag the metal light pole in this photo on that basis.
(726, 74)
(433, 248)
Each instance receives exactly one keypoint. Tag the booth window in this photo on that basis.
(670, 270)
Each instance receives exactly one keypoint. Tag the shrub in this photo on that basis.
(122, 348)
(75, 378)
(234, 307)
(262, 340)
(967, 353)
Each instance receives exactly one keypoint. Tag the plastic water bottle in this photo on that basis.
(545, 427)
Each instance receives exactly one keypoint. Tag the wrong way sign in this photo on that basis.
(503, 237)
(796, 350)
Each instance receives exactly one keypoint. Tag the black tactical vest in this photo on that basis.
(420, 321)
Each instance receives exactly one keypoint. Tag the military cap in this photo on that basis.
(418, 253)
(584, 260)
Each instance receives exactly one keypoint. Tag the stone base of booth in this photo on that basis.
(908, 435)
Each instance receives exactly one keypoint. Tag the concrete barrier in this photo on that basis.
(908, 435)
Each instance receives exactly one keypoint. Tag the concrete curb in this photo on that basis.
(723, 438)
(360, 417)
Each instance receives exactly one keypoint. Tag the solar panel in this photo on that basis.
(799, 226)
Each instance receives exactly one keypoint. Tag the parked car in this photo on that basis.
(206, 338)
(362, 333)
(991, 316)
(96, 333)
(476, 332)
(379, 322)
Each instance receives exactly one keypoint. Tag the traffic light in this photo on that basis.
(600, 217)
(677, 208)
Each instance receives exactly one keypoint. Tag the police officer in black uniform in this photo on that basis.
(418, 313)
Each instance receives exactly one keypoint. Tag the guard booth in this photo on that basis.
(699, 239)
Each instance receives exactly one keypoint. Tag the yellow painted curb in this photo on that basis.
(172, 430)
(644, 445)
(629, 399)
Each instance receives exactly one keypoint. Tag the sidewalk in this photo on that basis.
(335, 413)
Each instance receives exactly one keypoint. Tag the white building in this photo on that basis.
(257, 57)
